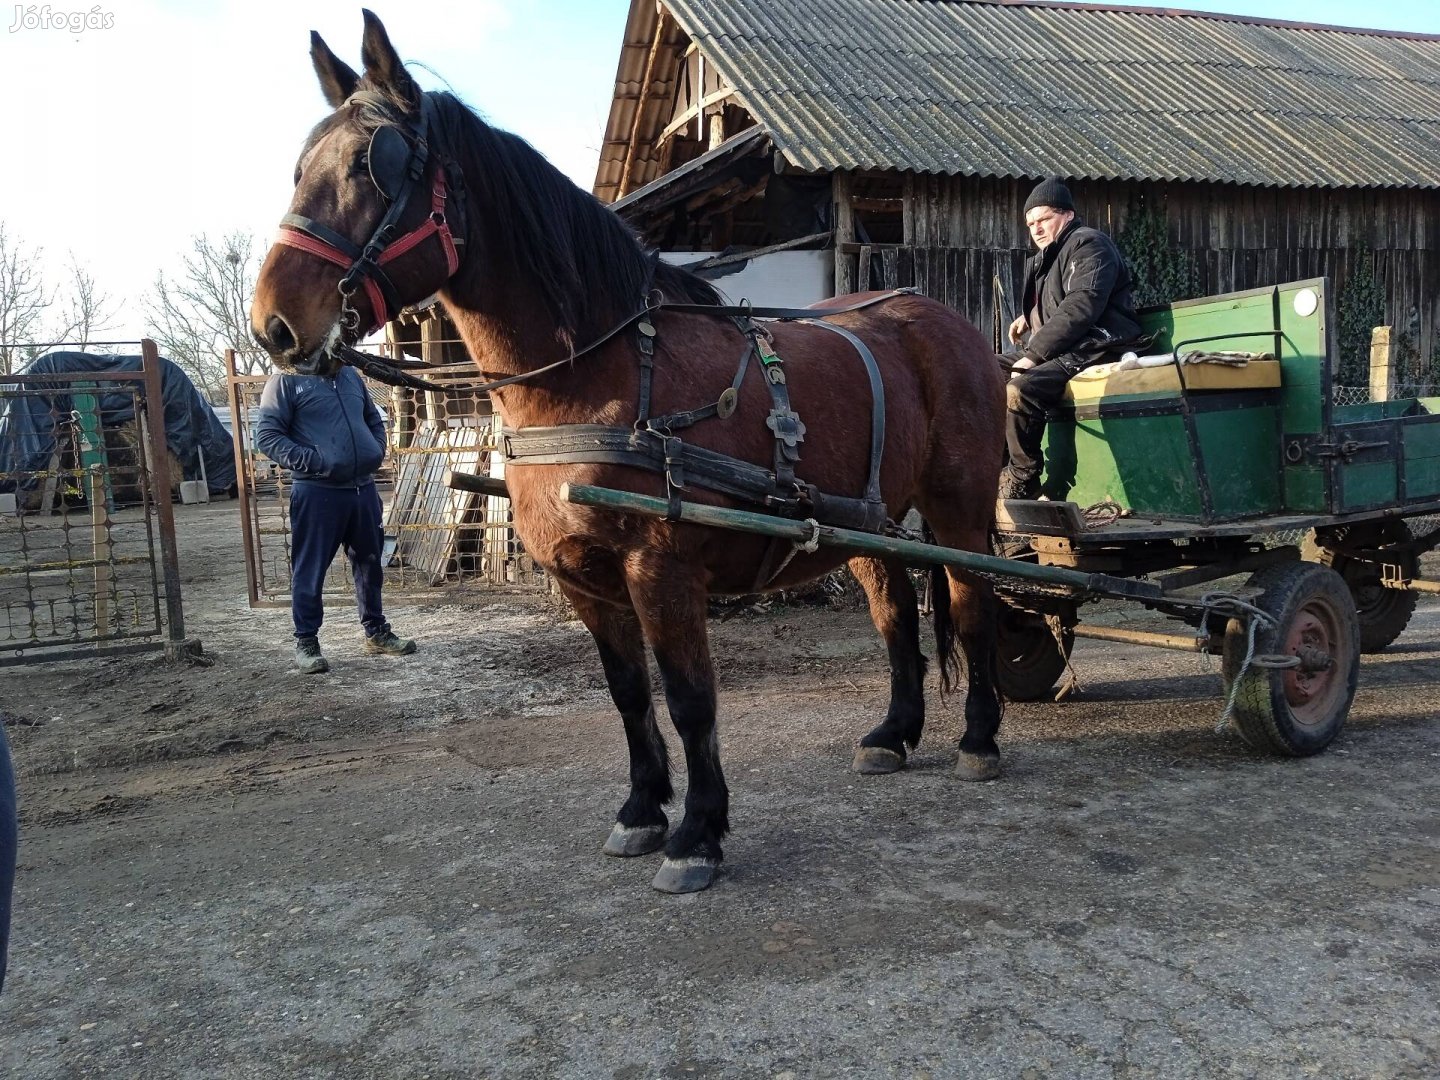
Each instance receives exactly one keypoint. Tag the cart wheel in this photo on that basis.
(1384, 613)
(1030, 659)
(1296, 711)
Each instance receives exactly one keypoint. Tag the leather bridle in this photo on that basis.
(397, 157)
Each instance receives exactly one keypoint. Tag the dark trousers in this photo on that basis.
(1029, 397)
(8, 839)
(322, 520)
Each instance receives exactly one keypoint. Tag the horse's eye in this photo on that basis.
(297, 176)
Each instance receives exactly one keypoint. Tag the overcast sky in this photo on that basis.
(124, 140)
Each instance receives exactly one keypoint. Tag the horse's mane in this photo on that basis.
(586, 263)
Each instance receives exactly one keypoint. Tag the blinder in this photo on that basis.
(389, 158)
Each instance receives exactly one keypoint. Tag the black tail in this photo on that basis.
(947, 650)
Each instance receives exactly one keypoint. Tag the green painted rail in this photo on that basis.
(802, 532)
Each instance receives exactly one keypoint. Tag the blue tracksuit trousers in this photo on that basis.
(322, 520)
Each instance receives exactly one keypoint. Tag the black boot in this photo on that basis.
(1017, 487)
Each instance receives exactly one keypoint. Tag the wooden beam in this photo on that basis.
(1382, 364)
(695, 110)
(627, 172)
(755, 253)
(878, 206)
(842, 217)
(908, 210)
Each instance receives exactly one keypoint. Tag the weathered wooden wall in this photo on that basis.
(963, 232)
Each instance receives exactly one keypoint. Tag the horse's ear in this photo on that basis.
(383, 66)
(337, 80)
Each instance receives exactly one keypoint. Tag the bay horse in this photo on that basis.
(533, 271)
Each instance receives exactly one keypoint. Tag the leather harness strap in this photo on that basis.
(877, 406)
(653, 445)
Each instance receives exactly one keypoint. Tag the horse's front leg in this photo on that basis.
(671, 607)
(641, 825)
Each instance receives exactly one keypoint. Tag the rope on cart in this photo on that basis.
(1105, 512)
(809, 546)
(1071, 685)
(1227, 604)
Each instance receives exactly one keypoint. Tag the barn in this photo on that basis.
(897, 140)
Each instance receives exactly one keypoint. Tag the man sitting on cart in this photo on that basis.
(1076, 311)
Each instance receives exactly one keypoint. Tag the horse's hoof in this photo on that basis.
(875, 760)
(977, 766)
(628, 841)
(686, 875)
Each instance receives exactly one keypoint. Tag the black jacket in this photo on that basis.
(1077, 299)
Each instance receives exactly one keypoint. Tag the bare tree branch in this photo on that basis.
(85, 312)
(23, 299)
(195, 316)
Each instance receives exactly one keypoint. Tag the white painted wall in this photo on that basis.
(780, 279)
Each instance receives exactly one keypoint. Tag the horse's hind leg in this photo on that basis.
(895, 613)
(641, 825)
(973, 612)
(969, 620)
(672, 614)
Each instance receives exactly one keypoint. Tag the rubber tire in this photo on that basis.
(1029, 662)
(1262, 713)
(1383, 613)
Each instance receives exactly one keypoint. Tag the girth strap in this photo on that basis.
(877, 409)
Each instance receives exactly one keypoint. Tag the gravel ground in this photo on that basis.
(394, 871)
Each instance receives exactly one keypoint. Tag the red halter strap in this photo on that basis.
(434, 224)
(291, 236)
(304, 235)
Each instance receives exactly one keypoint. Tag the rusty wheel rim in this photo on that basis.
(1311, 694)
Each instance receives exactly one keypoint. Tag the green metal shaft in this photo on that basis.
(868, 543)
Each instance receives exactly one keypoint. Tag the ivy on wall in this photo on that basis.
(1163, 272)
(1359, 308)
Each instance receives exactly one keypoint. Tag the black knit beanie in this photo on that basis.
(1050, 193)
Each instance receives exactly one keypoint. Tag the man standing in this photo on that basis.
(330, 435)
(1077, 311)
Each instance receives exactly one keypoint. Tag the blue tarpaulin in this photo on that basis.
(27, 422)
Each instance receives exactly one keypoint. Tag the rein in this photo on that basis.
(386, 371)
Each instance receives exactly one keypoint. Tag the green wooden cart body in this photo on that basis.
(1216, 457)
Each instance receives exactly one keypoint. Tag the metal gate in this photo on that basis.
(434, 534)
(88, 559)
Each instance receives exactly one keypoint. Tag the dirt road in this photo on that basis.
(394, 871)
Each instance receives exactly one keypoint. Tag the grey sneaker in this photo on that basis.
(308, 657)
(389, 644)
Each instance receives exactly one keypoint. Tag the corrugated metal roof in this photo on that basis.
(1032, 89)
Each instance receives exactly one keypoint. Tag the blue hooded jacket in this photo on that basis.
(324, 430)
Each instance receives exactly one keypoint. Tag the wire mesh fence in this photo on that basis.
(1361, 395)
(85, 566)
(434, 534)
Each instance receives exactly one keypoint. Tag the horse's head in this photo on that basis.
(367, 231)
